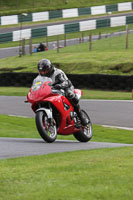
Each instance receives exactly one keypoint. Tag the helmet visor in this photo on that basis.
(44, 72)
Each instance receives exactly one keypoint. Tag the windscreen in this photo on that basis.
(37, 83)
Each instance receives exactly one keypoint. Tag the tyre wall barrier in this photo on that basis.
(88, 81)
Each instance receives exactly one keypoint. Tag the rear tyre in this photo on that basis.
(45, 127)
(86, 132)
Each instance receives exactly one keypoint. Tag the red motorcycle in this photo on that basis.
(54, 113)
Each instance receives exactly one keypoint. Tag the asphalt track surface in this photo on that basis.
(14, 147)
(116, 113)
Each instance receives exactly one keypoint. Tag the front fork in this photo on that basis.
(48, 111)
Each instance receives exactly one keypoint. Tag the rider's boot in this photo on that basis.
(84, 121)
(75, 102)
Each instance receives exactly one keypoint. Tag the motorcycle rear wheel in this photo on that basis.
(86, 132)
(46, 129)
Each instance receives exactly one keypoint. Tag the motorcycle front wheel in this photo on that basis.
(86, 132)
(45, 127)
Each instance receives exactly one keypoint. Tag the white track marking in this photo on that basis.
(117, 127)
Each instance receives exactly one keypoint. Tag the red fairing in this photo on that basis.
(40, 94)
(43, 93)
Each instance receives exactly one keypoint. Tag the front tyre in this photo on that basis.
(86, 132)
(46, 127)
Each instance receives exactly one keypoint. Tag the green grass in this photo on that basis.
(20, 127)
(11, 7)
(108, 56)
(108, 95)
(103, 174)
(87, 94)
(14, 91)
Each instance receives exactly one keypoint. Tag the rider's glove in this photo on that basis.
(57, 86)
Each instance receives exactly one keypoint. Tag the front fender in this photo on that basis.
(47, 111)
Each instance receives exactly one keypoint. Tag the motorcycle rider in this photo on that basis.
(41, 47)
(60, 81)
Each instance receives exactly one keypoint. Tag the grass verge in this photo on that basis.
(25, 128)
(87, 94)
(95, 174)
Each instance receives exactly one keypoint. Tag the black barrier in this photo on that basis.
(88, 81)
